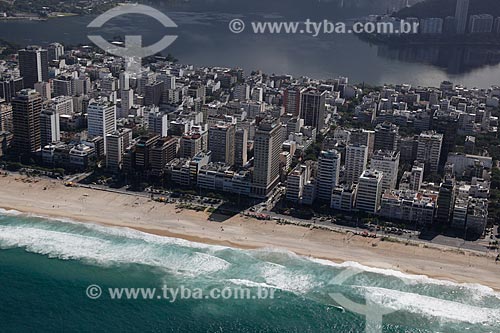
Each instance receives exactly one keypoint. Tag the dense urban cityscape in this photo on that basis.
(417, 155)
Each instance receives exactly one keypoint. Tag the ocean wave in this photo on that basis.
(10, 212)
(432, 307)
(93, 248)
(116, 231)
(276, 268)
(412, 279)
(282, 278)
(250, 284)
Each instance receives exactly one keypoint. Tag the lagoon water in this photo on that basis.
(205, 39)
(46, 266)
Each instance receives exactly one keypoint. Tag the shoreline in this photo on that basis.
(22, 18)
(37, 18)
(52, 199)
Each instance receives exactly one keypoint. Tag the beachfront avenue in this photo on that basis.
(173, 294)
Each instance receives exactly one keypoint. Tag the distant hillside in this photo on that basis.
(443, 8)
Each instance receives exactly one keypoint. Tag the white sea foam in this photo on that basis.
(118, 231)
(104, 245)
(273, 250)
(250, 284)
(100, 250)
(411, 279)
(432, 307)
(150, 238)
(282, 278)
(10, 212)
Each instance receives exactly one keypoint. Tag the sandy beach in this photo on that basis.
(53, 199)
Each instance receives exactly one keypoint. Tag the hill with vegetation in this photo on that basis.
(443, 8)
(44, 7)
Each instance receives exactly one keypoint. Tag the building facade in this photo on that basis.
(312, 108)
(356, 161)
(267, 148)
(26, 110)
(328, 174)
(33, 65)
(369, 191)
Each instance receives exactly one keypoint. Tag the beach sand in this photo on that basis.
(53, 199)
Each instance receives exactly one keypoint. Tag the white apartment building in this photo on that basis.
(369, 191)
(356, 161)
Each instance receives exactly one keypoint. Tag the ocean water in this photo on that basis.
(47, 265)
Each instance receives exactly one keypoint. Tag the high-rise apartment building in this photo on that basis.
(267, 148)
(124, 80)
(300, 187)
(33, 65)
(169, 81)
(154, 92)
(241, 92)
(127, 100)
(241, 147)
(388, 163)
(191, 144)
(386, 137)
(143, 151)
(356, 160)
(312, 108)
(446, 201)
(101, 119)
(6, 117)
(369, 191)
(429, 151)
(63, 85)
(162, 153)
(63, 105)
(55, 51)
(292, 100)
(328, 174)
(446, 123)
(44, 89)
(221, 142)
(408, 149)
(116, 144)
(26, 110)
(49, 127)
(157, 122)
(296, 181)
(10, 86)
(109, 85)
(417, 177)
(257, 94)
(363, 137)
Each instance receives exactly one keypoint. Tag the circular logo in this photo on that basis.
(237, 26)
(94, 291)
(133, 51)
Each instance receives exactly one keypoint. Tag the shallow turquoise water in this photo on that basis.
(47, 265)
